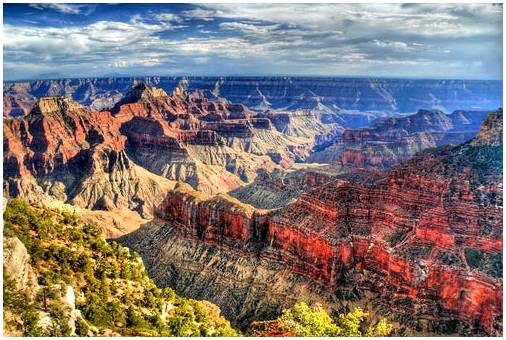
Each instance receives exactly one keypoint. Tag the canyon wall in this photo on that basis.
(422, 243)
(391, 140)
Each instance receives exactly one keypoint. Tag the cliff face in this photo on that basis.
(423, 241)
(289, 93)
(277, 189)
(389, 141)
(213, 145)
(17, 266)
(491, 131)
(64, 151)
(127, 158)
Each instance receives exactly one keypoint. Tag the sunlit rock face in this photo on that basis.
(389, 141)
(128, 157)
(284, 93)
(65, 151)
(421, 243)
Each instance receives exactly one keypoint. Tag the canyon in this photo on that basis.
(258, 192)
(424, 242)
(388, 141)
(126, 159)
(325, 94)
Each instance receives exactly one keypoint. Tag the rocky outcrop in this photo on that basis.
(214, 145)
(491, 131)
(17, 266)
(321, 94)
(422, 243)
(129, 157)
(277, 189)
(16, 106)
(63, 151)
(392, 140)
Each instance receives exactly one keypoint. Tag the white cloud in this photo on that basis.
(316, 38)
(392, 44)
(62, 8)
(136, 62)
(201, 13)
(168, 17)
(429, 19)
(247, 28)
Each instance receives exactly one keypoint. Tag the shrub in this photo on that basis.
(82, 327)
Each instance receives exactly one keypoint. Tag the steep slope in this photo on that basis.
(16, 106)
(392, 140)
(288, 93)
(63, 151)
(215, 146)
(277, 189)
(421, 244)
(62, 278)
(127, 159)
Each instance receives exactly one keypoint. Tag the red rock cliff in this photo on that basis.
(429, 231)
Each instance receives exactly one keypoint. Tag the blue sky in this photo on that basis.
(380, 40)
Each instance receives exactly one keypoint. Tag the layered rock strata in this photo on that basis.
(389, 141)
(322, 94)
(422, 243)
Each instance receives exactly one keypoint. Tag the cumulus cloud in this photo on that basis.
(327, 39)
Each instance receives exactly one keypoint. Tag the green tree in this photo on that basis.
(303, 320)
(309, 321)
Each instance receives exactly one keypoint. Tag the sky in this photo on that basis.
(461, 41)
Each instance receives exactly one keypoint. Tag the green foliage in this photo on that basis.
(304, 320)
(95, 311)
(12, 297)
(82, 327)
(307, 321)
(30, 323)
(59, 325)
(118, 293)
(183, 322)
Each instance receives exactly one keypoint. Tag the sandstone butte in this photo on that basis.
(428, 232)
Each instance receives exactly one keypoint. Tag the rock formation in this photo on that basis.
(127, 159)
(421, 243)
(321, 94)
(214, 145)
(17, 266)
(389, 141)
(64, 151)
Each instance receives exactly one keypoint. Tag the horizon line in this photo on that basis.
(249, 76)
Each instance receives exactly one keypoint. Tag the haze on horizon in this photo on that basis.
(461, 41)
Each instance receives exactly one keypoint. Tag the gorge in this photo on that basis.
(257, 193)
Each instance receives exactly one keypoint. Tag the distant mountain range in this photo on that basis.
(326, 94)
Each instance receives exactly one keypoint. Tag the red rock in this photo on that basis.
(400, 226)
